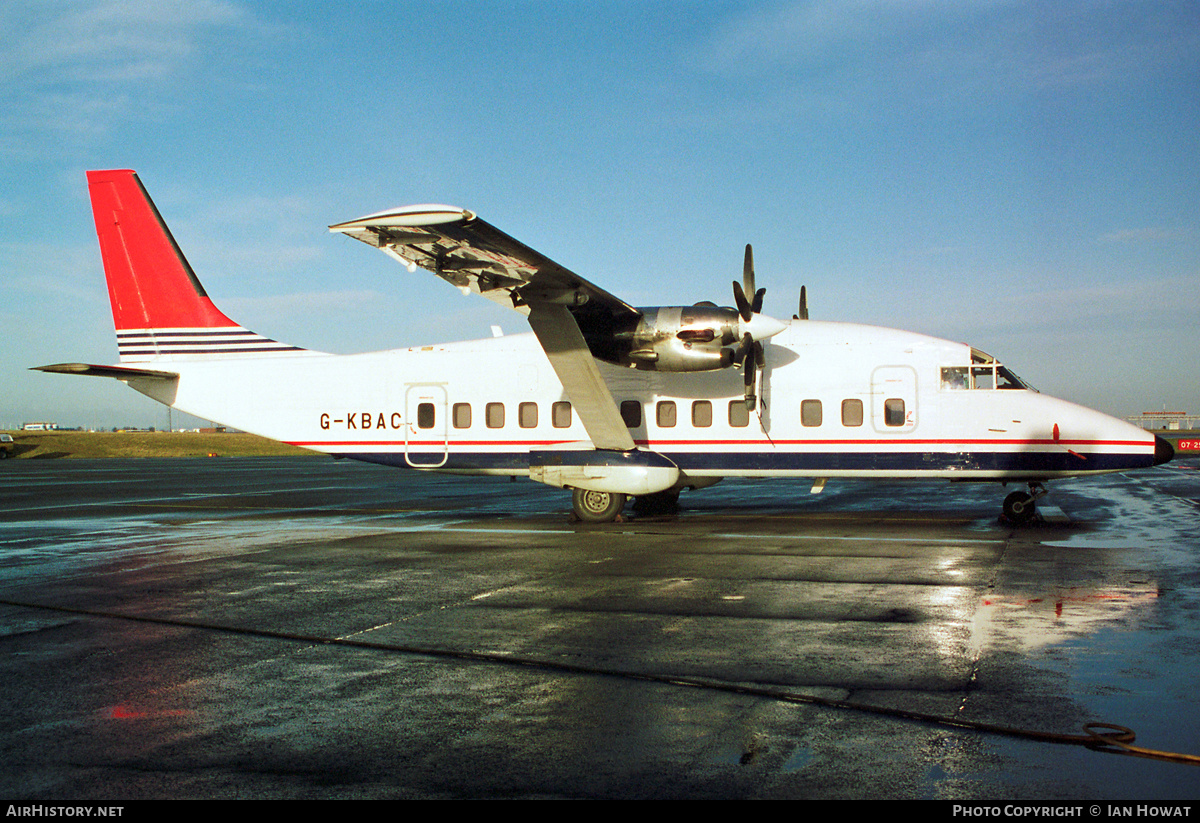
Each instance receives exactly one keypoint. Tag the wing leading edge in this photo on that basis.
(571, 318)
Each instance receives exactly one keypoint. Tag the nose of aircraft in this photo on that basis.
(1163, 450)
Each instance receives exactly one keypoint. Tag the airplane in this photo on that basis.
(609, 401)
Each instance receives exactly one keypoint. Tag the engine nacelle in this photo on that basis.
(682, 339)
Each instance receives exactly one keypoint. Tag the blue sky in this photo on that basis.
(1022, 176)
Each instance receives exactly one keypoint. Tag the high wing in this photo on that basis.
(575, 321)
(475, 256)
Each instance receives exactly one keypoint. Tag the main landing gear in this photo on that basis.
(1021, 507)
(604, 507)
(597, 507)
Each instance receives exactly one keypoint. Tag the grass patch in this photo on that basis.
(53, 444)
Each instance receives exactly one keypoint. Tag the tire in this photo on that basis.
(597, 507)
(1020, 507)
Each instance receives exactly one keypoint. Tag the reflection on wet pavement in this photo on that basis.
(912, 595)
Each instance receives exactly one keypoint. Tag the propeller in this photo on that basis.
(803, 313)
(756, 327)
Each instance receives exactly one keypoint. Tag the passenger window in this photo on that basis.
(810, 413)
(852, 412)
(701, 414)
(739, 415)
(631, 413)
(527, 415)
(665, 414)
(494, 412)
(893, 412)
(425, 415)
(462, 415)
(560, 414)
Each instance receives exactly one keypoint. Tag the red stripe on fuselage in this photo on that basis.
(660, 443)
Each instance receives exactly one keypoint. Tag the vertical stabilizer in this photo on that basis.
(160, 309)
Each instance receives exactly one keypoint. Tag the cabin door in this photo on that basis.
(426, 444)
(894, 399)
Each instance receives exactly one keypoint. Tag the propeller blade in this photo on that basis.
(751, 375)
(743, 348)
(752, 356)
(747, 307)
(748, 271)
(743, 305)
(803, 314)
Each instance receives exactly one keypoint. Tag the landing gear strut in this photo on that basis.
(597, 507)
(1021, 507)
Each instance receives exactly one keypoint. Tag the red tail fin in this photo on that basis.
(150, 283)
(159, 307)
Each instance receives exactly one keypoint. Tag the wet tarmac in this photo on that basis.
(308, 628)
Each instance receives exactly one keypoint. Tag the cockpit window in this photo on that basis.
(983, 377)
(986, 374)
(1007, 380)
(956, 378)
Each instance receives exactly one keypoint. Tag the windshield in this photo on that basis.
(983, 373)
(1005, 379)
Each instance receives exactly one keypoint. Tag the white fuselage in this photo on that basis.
(838, 400)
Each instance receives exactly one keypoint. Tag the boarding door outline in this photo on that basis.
(426, 446)
(890, 384)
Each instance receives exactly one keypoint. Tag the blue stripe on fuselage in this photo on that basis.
(1026, 463)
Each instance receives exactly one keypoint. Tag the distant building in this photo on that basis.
(39, 427)
(1166, 420)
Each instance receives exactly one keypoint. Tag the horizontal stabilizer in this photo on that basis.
(119, 372)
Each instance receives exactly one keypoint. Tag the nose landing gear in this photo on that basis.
(1021, 507)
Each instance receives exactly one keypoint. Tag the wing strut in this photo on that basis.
(573, 363)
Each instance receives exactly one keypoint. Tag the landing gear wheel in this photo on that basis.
(597, 507)
(1020, 507)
